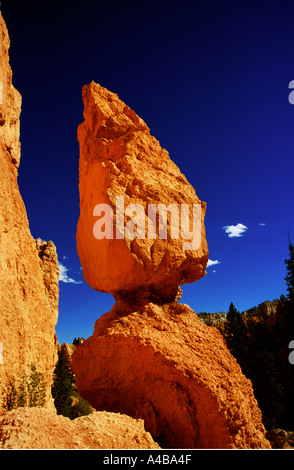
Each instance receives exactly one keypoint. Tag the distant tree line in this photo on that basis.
(27, 389)
(261, 347)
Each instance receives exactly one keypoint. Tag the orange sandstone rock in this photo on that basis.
(10, 102)
(28, 268)
(120, 159)
(160, 363)
(37, 428)
(150, 357)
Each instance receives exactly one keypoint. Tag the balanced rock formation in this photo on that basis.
(28, 268)
(151, 239)
(37, 428)
(150, 357)
(162, 364)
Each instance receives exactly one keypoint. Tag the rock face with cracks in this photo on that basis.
(123, 166)
(28, 268)
(160, 363)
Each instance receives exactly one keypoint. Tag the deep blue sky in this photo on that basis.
(210, 79)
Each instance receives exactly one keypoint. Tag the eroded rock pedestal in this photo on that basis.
(162, 364)
(151, 357)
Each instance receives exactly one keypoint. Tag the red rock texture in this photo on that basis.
(37, 428)
(160, 363)
(119, 158)
(10, 103)
(28, 268)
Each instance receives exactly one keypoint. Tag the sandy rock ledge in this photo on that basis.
(38, 428)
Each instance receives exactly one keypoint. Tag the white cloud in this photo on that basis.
(262, 224)
(235, 230)
(63, 277)
(212, 263)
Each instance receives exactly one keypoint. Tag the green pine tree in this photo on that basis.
(290, 272)
(234, 329)
(36, 388)
(236, 336)
(63, 387)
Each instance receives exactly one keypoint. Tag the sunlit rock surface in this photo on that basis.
(120, 159)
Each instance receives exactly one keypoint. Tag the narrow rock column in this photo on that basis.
(28, 286)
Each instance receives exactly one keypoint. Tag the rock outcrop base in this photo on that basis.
(160, 363)
(37, 428)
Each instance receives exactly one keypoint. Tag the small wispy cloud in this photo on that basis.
(212, 262)
(262, 224)
(63, 276)
(235, 230)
